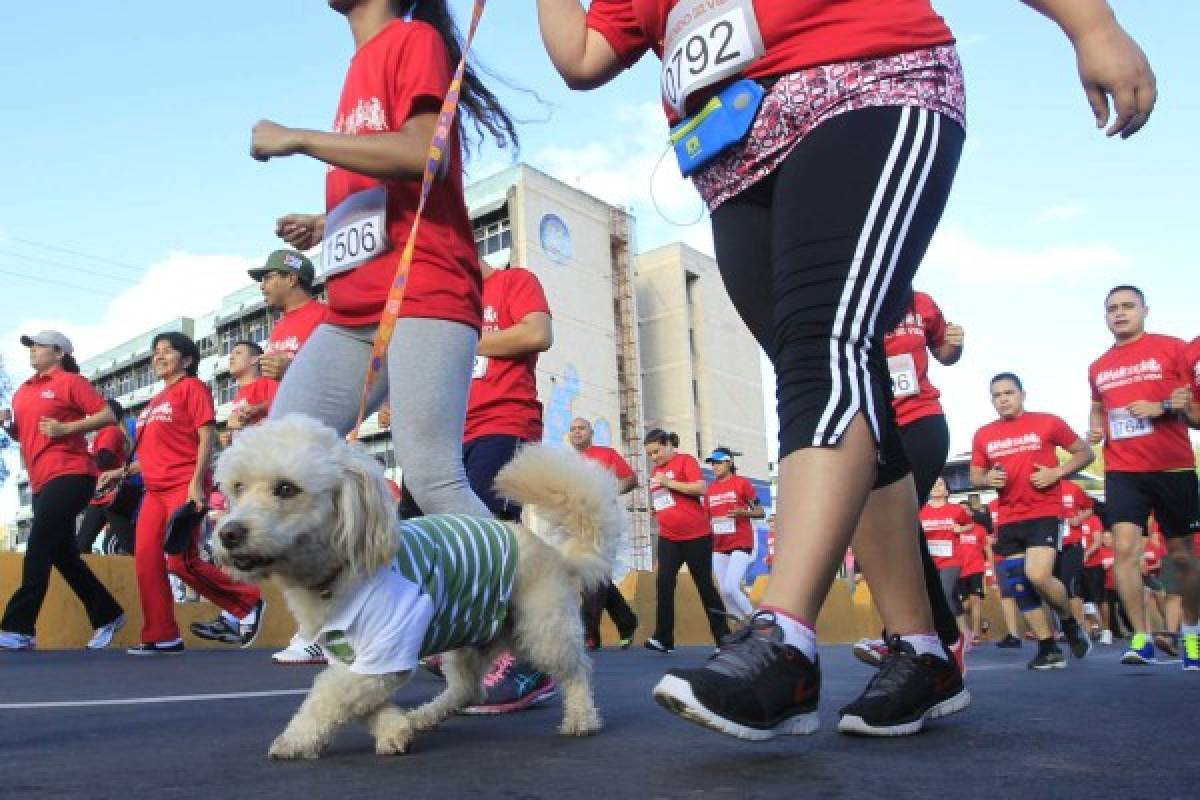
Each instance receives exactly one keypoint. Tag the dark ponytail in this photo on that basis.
(476, 100)
(660, 437)
(69, 364)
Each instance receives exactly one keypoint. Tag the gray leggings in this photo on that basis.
(427, 377)
(949, 576)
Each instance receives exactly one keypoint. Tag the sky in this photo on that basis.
(128, 196)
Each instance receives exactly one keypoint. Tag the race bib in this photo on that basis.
(904, 375)
(722, 526)
(941, 548)
(480, 368)
(705, 43)
(1123, 425)
(355, 232)
(662, 499)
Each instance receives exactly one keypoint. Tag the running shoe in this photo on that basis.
(657, 646)
(1048, 658)
(16, 641)
(218, 630)
(298, 652)
(755, 688)
(512, 686)
(907, 690)
(102, 637)
(157, 648)
(958, 652)
(433, 665)
(1167, 642)
(1077, 639)
(871, 652)
(1191, 652)
(251, 624)
(1009, 641)
(1140, 652)
(1106, 636)
(626, 637)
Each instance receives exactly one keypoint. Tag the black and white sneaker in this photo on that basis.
(658, 647)
(1077, 639)
(157, 648)
(756, 687)
(217, 630)
(907, 690)
(1048, 657)
(251, 624)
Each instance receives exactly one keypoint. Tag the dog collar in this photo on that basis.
(325, 587)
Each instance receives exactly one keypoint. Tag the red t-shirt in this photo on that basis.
(1153, 551)
(1106, 558)
(723, 496)
(401, 69)
(907, 347)
(1019, 445)
(940, 525)
(993, 508)
(257, 392)
(1193, 360)
(63, 396)
(503, 397)
(973, 547)
(170, 437)
(680, 516)
(1149, 368)
(1074, 500)
(292, 330)
(109, 439)
(1091, 531)
(797, 34)
(611, 459)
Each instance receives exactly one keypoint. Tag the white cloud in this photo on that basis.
(1061, 213)
(958, 255)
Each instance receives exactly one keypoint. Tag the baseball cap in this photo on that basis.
(720, 454)
(286, 261)
(49, 339)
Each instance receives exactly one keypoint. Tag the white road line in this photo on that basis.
(137, 701)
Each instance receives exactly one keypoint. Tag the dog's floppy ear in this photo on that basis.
(365, 532)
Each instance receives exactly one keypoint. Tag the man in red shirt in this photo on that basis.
(609, 598)
(975, 554)
(1017, 456)
(1148, 461)
(255, 392)
(942, 523)
(286, 281)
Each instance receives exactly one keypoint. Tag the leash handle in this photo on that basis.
(434, 163)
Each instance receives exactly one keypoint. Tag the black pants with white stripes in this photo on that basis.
(819, 258)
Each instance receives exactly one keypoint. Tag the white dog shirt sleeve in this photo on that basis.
(381, 628)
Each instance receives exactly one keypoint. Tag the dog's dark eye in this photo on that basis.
(286, 489)
(237, 489)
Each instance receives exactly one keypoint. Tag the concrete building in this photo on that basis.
(630, 350)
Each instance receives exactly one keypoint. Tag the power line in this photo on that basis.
(60, 265)
(68, 251)
(43, 279)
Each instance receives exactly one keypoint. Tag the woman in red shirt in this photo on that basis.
(853, 118)
(50, 414)
(176, 431)
(731, 502)
(405, 55)
(110, 449)
(684, 537)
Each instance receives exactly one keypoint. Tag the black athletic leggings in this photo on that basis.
(819, 257)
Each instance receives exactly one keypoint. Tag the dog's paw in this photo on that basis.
(287, 747)
(394, 737)
(583, 724)
(424, 718)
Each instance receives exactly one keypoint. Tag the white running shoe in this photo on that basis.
(103, 636)
(16, 641)
(300, 651)
(1106, 637)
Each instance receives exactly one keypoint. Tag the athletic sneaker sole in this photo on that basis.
(951, 705)
(534, 698)
(1135, 660)
(299, 663)
(867, 656)
(675, 695)
(103, 641)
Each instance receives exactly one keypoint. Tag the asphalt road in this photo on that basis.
(107, 725)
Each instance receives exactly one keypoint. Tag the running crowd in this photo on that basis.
(824, 139)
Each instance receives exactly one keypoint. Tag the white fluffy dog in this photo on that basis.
(314, 513)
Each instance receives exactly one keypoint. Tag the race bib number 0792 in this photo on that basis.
(705, 43)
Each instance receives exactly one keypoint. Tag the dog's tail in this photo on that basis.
(576, 498)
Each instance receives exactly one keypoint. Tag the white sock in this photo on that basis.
(796, 632)
(926, 644)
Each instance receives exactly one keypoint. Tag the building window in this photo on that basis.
(493, 232)
(226, 388)
(208, 346)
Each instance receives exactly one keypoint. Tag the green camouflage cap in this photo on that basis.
(286, 261)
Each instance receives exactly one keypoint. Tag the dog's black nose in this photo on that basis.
(233, 535)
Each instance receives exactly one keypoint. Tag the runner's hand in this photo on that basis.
(269, 139)
(197, 495)
(1095, 436)
(52, 428)
(109, 479)
(954, 335)
(301, 231)
(1111, 64)
(1045, 477)
(1145, 409)
(1181, 399)
(273, 365)
(997, 478)
(5, 417)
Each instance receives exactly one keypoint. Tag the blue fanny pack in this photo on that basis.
(721, 123)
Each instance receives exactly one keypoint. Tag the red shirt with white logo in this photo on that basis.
(1074, 500)
(941, 524)
(611, 459)
(169, 427)
(723, 496)
(503, 397)
(109, 439)
(1019, 445)
(1107, 558)
(291, 331)
(1091, 530)
(907, 347)
(401, 70)
(795, 35)
(680, 516)
(63, 396)
(258, 392)
(1149, 368)
(1153, 550)
(973, 545)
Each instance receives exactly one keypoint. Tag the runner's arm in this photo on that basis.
(533, 334)
(582, 56)
(1081, 456)
(694, 488)
(950, 350)
(1096, 423)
